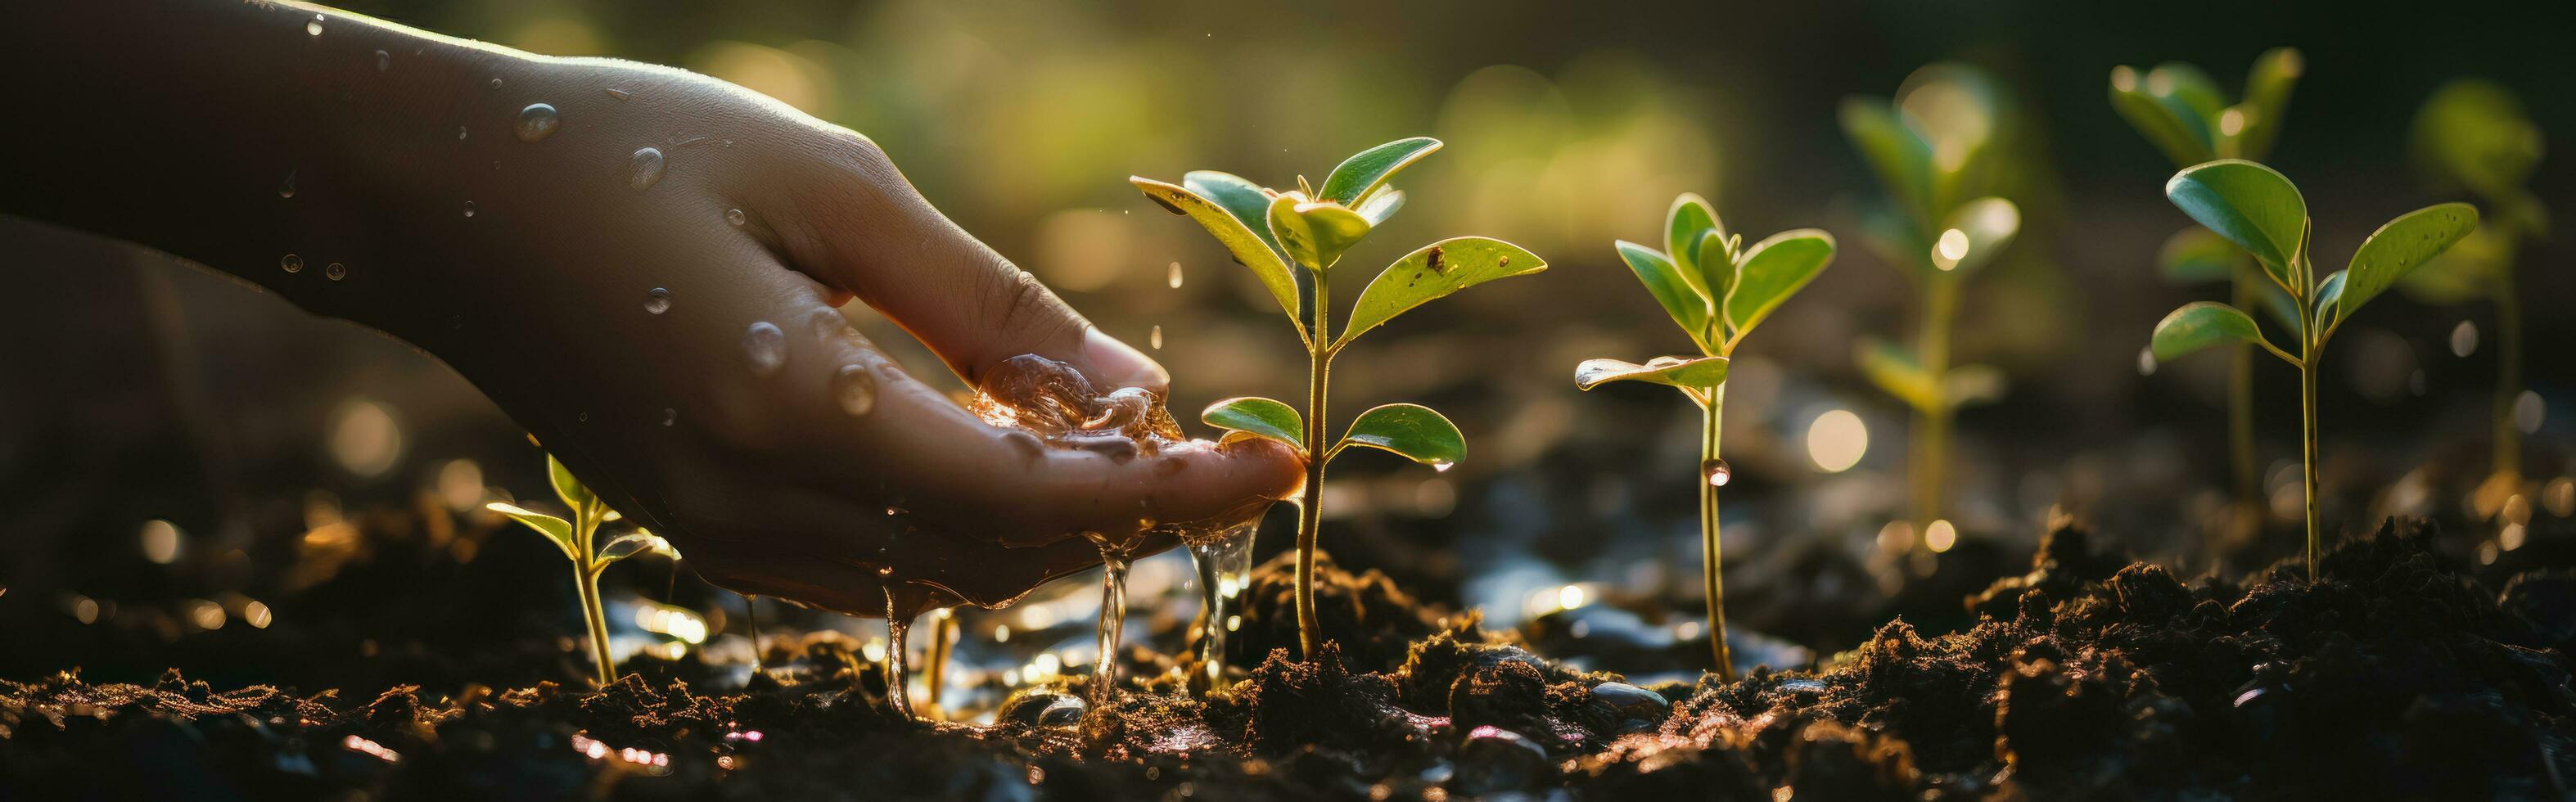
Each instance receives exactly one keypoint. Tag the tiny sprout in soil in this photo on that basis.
(2259, 210)
(2181, 110)
(578, 538)
(1717, 290)
(2473, 137)
(1291, 240)
(1930, 148)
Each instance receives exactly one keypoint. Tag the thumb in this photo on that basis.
(879, 239)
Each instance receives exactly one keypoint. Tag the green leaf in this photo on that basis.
(2475, 134)
(2195, 255)
(1663, 280)
(2199, 325)
(635, 543)
(1246, 201)
(1250, 249)
(1774, 269)
(557, 530)
(1368, 168)
(2168, 125)
(1381, 205)
(1717, 263)
(1896, 371)
(2466, 272)
(2251, 205)
(2189, 86)
(1985, 226)
(1690, 215)
(1411, 430)
(2267, 100)
(1259, 417)
(1696, 374)
(568, 488)
(1901, 157)
(1969, 385)
(1437, 270)
(2401, 246)
(1315, 233)
(2328, 292)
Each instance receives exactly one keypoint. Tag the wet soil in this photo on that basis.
(2397, 675)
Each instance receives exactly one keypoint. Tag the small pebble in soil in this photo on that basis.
(1629, 708)
(1042, 707)
(1494, 760)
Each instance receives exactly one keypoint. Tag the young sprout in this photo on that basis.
(578, 540)
(1930, 148)
(2179, 109)
(2472, 137)
(1291, 240)
(2258, 209)
(1717, 290)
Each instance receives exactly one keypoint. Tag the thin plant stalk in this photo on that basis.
(1310, 517)
(585, 575)
(2508, 437)
(2240, 407)
(1711, 559)
(2308, 456)
(1930, 448)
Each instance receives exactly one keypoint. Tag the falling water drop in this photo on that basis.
(314, 28)
(384, 61)
(537, 121)
(469, 208)
(1113, 620)
(657, 300)
(1224, 565)
(292, 263)
(645, 169)
(1156, 338)
(1716, 472)
(855, 389)
(1175, 278)
(2147, 361)
(287, 190)
(898, 634)
(767, 347)
(335, 271)
(735, 217)
(460, 133)
(670, 416)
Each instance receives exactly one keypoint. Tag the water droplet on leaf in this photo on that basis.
(767, 347)
(645, 169)
(856, 389)
(1716, 472)
(292, 263)
(335, 271)
(537, 121)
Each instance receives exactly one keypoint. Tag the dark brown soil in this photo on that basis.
(2397, 676)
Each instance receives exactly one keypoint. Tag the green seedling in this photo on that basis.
(2259, 210)
(1717, 290)
(2181, 110)
(2472, 137)
(578, 538)
(1930, 148)
(1291, 240)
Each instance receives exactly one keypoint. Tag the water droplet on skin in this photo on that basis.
(336, 271)
(1156, 339)
(735, 217)
(619, 94)
(537, 121)
(657, 300)
(314, 28)
(292, 263)
(856, 390)
(670, 416)
(287, 190)
(469, 208)
(1175, 278)
(495, 84)
(384, 61)
(645, 169)
(767, 347)
(1716, 472)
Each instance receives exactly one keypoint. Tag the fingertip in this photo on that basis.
(1116, 364)
(1266, 468)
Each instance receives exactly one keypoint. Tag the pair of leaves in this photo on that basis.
(1714, 288)
(1927, 142)
(2182, 111)
(1896, 371)
(1413, 431)
(2259, 210)
(2475, 135)
(588, 513)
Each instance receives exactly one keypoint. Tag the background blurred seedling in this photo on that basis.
(2259, 210)
(2181, 110)
(578, 538)
(1291, 240)
(2472, 137)
(1930, 149)
(1717, 290)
